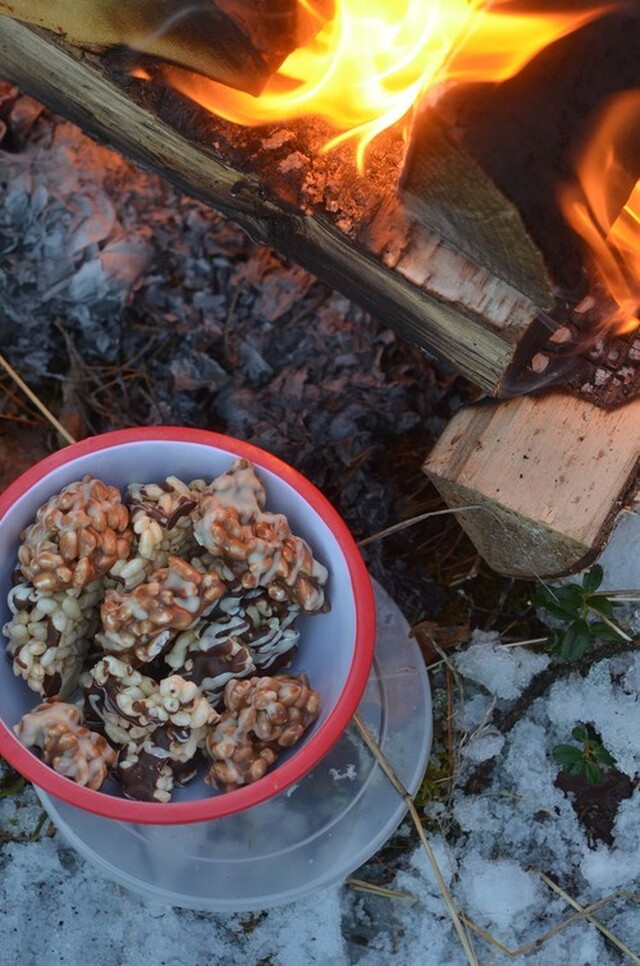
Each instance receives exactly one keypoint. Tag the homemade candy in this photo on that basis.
(158, 613)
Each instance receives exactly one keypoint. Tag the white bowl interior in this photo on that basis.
(327, 641)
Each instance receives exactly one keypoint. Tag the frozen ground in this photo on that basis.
(58, 909)
(504, 849)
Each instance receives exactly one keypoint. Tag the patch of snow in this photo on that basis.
(504, 671)
(599, 698)
(498, 892)
(484, 745)
(620, 560)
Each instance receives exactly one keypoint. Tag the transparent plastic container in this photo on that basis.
(313, 834)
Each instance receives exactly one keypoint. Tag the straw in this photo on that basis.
(380, 757)
(36, 401)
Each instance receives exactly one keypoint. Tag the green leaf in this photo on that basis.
(567, 755)
(592, 579)
(576, 640)
(604, 631)
(602, 605)
(593, 773)
(577, 768)
(601, 754)
(580, 733)
(564, 602)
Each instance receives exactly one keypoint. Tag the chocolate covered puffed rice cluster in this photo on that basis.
(78, 535)
(161, 521)
(230, 522)
(263, 716)
(68, 747)
(173, 600)
(141, 623)
(159, 726)
(247, 631)
(49, 633)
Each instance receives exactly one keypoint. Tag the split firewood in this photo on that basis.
(447, 190)
(549, 476)
(237, 42)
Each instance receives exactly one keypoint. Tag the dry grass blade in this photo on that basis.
(614, 627)
(378, 890)
(404, 524)
(377, 753)
(36, 401)
(542, 939)
(592, 919)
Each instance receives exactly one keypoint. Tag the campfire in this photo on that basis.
(413, 160)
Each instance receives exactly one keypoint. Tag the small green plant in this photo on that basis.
(576, 604)
(586, 760)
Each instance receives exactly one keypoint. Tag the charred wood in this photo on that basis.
(353, 234)
(487, 161)
(237, 42)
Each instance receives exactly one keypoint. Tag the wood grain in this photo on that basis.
(550, 473)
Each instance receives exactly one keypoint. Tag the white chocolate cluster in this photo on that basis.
(49, 634)
(230, 522)
(78, 535)
(162, 609)
(69, 748)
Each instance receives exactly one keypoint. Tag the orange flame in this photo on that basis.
(609, 225)
(367, 67)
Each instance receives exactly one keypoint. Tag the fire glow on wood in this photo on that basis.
(373, 60)
(593, 210)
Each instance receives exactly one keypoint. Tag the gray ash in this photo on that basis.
(209, 330)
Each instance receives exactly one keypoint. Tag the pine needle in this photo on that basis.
(378, 890)
(592, 919)
(404, 524)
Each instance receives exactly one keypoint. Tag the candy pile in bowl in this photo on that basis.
(157, 628)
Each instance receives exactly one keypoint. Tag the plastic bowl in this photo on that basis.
(336, 649)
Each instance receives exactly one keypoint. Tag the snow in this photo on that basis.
(620, 559)
(497, 891)
(490, 663)
(609, 703)
(519, 827)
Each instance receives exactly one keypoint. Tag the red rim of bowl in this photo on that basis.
(316, 746)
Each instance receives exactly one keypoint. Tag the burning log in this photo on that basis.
(487, 161)
(550, 475)
(236, 42)
(380, 258)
